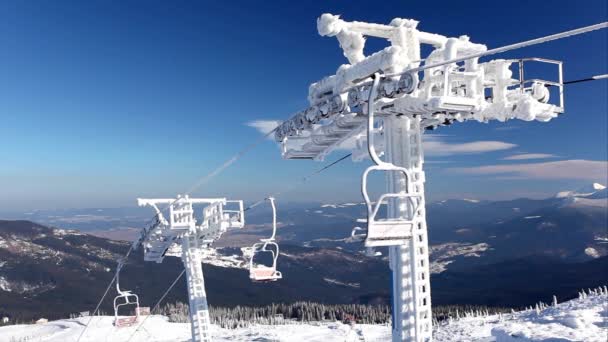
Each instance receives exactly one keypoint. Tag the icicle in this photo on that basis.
(554, 300)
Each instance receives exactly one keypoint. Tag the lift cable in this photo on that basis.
(510, 47)
(302, 181)
(592, 78)
(140, 325)
(531, 42)
(104, 295)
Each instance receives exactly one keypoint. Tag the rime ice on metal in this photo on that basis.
(185, 236)
(384, 102)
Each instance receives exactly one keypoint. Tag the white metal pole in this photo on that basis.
(409, 263)
(197, 297)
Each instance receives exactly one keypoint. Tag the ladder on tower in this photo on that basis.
(197, 297)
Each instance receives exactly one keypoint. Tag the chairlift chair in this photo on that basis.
(124, 298)
(263, 273)
(392, 230)
(389, 231)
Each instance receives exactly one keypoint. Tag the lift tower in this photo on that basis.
(380, 105)
(183, 235)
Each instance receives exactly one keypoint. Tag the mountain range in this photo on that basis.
(498, 253)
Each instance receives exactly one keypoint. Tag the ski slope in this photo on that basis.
(576, 320)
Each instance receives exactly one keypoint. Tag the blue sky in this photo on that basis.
(102, 102)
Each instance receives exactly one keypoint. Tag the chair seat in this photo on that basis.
(125, 321)
(388, 233)
(387, 229)
(264, 273)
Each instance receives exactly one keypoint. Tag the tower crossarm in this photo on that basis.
(432, 89)
(164, 236)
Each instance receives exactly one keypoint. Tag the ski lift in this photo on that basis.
(124, 298)
(392, 230)
(260, 272)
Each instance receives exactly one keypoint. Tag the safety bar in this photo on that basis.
(372, 210)
(559, 83)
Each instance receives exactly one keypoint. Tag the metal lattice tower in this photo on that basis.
(383, 103)
(409, 262)
(184, 236)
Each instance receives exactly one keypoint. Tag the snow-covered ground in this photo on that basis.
(156, 328)
(576, 320)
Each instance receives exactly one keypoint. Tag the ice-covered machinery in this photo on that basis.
(381, 104)
(185, 234)
(412, 87)
(164, 237)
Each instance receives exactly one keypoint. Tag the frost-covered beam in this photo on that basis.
(442, 95)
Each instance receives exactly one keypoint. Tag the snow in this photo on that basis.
(592, 252)
(158, 329)
(585, 202)
(584, 319)
(4, 285)
(575, 320)
(212, 257)
(444, 254)
(587, 190)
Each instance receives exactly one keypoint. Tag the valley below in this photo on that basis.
(498, 254)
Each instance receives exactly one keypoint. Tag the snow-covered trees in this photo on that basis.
(280, 313)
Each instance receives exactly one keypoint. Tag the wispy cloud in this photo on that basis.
(589, 170)
(527, 156)
(438, 146)
(264, 126)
